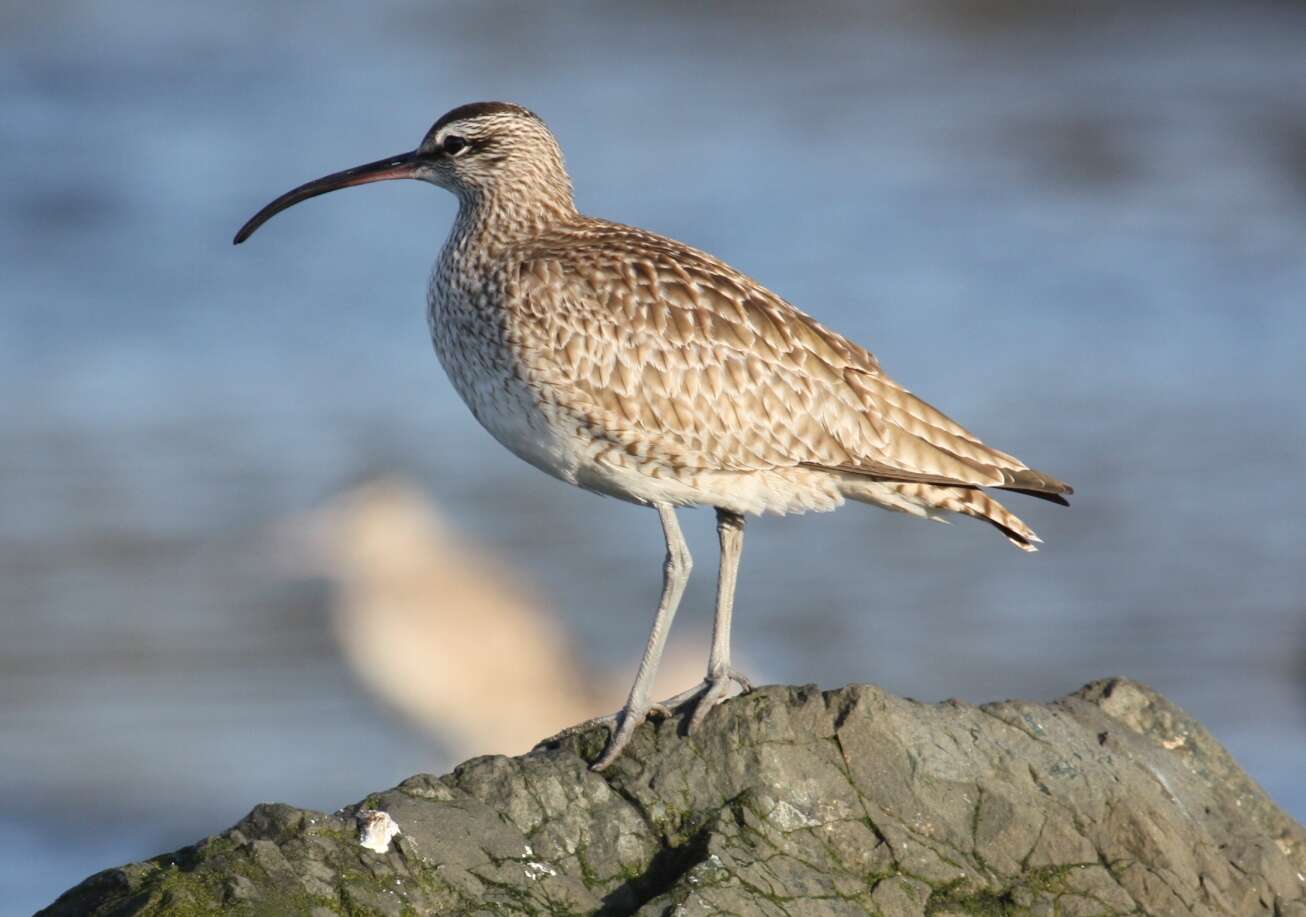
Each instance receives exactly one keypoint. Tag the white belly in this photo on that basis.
(503, 404)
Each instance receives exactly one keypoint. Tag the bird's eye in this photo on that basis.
(453, 145)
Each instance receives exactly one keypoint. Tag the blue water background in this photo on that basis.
(1079, 228)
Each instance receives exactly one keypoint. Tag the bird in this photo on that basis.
(402, 587)
(636, 366)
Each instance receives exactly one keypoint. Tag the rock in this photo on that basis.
(789, 801)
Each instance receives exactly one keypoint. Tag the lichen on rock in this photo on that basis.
(788, 801)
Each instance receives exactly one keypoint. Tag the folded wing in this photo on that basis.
(673, 354)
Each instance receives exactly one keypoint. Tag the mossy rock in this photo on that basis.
(789, 801)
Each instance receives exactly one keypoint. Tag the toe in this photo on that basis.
(745, 684)
(677, 702)
(727, 684)
(713, 696)
(630, 720)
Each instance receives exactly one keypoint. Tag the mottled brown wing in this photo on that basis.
(667, 352)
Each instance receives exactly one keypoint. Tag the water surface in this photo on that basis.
(1082, 233)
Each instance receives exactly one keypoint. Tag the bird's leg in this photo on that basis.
(722, 679)
(675, 574)
(730, 530)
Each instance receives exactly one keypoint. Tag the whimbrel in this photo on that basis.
(636, 366)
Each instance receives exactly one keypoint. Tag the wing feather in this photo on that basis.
(666, 351)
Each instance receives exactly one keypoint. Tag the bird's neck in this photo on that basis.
(490, 221)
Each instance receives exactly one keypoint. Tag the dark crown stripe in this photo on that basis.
(476, 109)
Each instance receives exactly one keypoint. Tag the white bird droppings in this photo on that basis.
(376, 829)
(536, 870)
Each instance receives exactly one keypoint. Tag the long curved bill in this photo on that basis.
(404, 165)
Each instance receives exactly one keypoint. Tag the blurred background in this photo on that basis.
(1079, 228)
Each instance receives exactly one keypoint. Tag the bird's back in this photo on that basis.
(666, 353)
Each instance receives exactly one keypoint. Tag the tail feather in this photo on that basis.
(968, 501)
(1027, 481)
(1034, 483)
(1040, 494)
(979, 505)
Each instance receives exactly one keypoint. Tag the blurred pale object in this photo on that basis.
(444, 632)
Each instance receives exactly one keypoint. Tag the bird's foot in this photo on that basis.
(717, 687)
(621, 725)
(624, 725)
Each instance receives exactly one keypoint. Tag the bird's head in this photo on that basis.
(478, 151)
